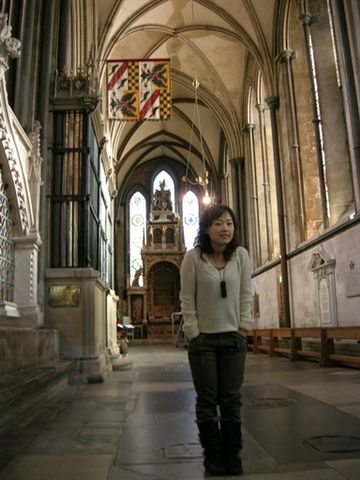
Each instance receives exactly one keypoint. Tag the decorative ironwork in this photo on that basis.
(81, 224)
(7, 265)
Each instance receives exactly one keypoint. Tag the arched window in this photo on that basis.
(325, 179)
(190, 218)
(137, 216)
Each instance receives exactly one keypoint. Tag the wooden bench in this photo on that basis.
(307, 333)
(258, 345)
(268, 340)
(278, 334)
(329, 351)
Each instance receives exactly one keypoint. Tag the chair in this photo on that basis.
(127, 327)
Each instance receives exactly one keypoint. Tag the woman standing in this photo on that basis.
(216, 302)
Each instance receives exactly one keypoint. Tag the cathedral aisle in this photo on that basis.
(301, 422)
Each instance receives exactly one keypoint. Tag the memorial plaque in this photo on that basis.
(324, 301)
(64, 295)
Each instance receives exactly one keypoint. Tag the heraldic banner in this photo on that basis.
(139, 89)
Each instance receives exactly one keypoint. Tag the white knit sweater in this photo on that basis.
(204, 309)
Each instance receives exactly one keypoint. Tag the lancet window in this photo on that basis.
(137, 217)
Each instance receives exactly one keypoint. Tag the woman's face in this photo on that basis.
(221, 231)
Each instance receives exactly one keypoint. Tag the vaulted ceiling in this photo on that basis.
(221, 43)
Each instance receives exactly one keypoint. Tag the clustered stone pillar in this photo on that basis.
(273, 103)
(286, 58)
(266, 181)
(249, 130)
(237, 166)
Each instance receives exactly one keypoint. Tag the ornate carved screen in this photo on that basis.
(6, 247)
(164, 286)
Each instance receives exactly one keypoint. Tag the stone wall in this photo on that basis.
(333, 299)
(26, 347)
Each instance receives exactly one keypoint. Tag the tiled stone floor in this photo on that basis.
(301, 422)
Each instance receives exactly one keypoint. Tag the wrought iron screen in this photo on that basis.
(7, 266)
(80, 200)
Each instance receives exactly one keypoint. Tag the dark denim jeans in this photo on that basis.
(217, 362)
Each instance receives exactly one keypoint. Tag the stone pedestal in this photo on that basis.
(77, 305)
(25, 294)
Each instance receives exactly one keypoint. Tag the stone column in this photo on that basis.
(26, 286)
(285, 58)
(23, 101)
(224, 186)
(46, 67)
(64, 34)
(346, 20)
(266, 181)
(273, 103)
(9, 46)
(249, 130)
(239, 194)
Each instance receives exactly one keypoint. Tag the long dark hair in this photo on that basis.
(202, 239)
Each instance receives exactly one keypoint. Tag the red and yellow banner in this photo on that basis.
(139, 89)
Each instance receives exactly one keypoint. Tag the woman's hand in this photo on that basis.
(243, 332)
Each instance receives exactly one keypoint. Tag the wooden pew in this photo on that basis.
(258, 345)
(329, 354)
(278, 334)
(307, 333)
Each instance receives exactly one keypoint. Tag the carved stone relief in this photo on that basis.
(35, 155)
(9, 46)
(15, 174)
(322, 265)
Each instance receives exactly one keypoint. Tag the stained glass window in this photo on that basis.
(190, 218)
(137, 235)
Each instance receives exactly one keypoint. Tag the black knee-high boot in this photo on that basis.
(231, 444)
(209, 435)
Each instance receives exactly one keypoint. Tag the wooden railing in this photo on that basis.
(291, 342)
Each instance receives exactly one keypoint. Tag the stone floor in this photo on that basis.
(301, 422)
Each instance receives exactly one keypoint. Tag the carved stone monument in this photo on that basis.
(162, 255)
(322, 264)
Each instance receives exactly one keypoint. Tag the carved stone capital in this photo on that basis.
(261, 107)
(9, 46)
(305, 18)
(249, 127)
(273, 102)
(286, 56)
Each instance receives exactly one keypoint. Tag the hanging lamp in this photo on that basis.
(200, 181)
(203, 182)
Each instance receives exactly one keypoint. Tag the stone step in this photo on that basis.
(22, 389)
